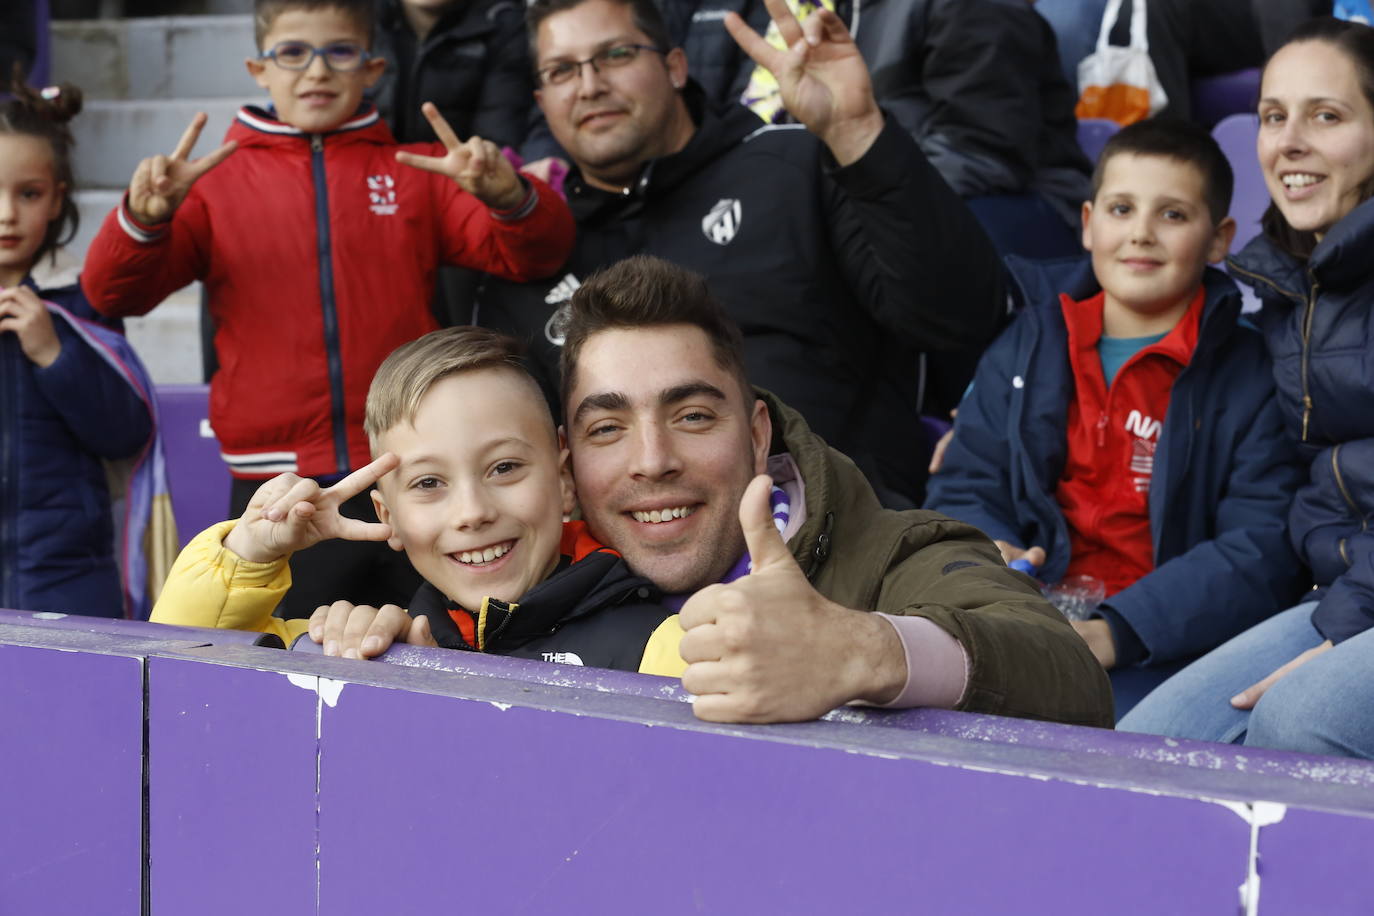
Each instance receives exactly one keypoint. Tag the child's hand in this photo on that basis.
(290, 513)
(361, 631)
(477, 165)
(160, 183)
(22, 312)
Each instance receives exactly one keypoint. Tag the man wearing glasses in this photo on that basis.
(317, 238)
(838, 249)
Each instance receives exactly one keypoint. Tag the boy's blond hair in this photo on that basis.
(265, 12)
(405, 377)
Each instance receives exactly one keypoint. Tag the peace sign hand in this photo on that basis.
(290, 513)
(160, 183)
(822, 77)
(477, 165)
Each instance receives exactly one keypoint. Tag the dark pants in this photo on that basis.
(364, 572)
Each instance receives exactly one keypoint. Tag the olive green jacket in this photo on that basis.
(1024, 658)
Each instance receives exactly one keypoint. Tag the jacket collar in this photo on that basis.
(1041, 283)
(257, 123)
(1340, 260)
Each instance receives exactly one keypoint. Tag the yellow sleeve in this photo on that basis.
(660, 652)
(210, 586)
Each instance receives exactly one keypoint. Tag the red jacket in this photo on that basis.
(1112, 436)
(319, 255)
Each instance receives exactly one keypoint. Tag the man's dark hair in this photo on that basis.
(647, 19)
(1181, 141)
(649, 292)
(265, 12)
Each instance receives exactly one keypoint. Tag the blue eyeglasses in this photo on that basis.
(340, 56)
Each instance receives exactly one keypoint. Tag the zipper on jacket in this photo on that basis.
(1102, 429)
(1306, 354)
(331, 315)
(1345, 492)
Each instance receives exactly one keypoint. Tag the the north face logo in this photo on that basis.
(721, 224)
(556, 328)
(381, 191)
(563, 658)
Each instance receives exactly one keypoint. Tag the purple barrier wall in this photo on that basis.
(294, 783)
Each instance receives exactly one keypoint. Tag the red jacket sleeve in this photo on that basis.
(130, 267)
(527, 243)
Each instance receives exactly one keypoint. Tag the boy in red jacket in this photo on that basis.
(1124, 426)
(317, 238)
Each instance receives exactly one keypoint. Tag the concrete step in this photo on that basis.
(168, 337)
(154, 58)
(113, 136)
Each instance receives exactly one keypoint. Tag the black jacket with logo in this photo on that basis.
(474, 65)
(838, 277)
(593, 612)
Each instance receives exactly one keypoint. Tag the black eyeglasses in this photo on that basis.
(609, 58)
(340, 56)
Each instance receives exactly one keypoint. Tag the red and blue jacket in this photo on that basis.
(318, 252)
(1223, 470)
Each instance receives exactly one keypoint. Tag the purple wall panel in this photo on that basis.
(1316, 862)
(522, 810)
(232, 789)
(72, 762)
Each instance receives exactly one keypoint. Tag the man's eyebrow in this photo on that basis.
(599, 46)
(602, 400)
(689, 390)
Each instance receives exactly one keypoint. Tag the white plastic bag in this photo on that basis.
(1118, 83)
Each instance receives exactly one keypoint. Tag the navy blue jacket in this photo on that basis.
(57, 541)
(1318, 319)
(1224, 476)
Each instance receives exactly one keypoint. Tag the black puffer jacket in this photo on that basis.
(592, 611)
(474, 66)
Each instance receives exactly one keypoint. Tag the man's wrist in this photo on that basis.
(850, 139)
(876, 660)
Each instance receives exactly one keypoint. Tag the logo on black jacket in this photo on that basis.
(721, 224)
(556, 328)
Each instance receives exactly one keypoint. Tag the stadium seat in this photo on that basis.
(196, 474)
(1218, 97)
(1093, 134)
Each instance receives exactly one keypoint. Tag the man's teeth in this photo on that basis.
(1300, 180)
(485, 555)
(663, 515)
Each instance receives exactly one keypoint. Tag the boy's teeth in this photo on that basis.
(1300, 181)
(655, 516)
(486, 555)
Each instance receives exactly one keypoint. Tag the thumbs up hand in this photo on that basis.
(769, 648)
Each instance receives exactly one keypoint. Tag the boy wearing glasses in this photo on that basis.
(317, 238)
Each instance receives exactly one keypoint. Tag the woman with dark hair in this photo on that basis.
(1304, 679)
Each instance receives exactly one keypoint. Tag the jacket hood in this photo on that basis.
(256, 125)
(715, 133)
